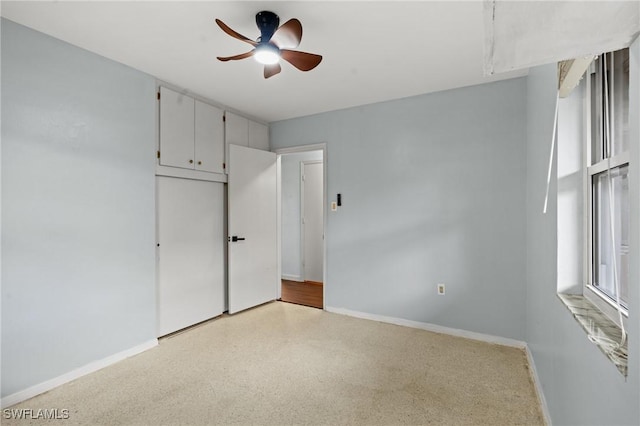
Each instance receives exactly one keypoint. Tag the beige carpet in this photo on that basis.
(287, 364)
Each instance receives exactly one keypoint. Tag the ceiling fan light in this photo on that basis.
(267, 54)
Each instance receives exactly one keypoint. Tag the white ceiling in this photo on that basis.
(373, 51)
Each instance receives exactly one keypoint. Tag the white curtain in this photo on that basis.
(522, 34)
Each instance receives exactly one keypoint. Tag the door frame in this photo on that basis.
(294, 150)
(302, 212)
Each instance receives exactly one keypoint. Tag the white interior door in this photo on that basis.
(312, 220)
(253, 263)
(190, 252)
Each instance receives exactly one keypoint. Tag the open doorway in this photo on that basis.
(302, 220)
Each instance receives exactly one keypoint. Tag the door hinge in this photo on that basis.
(224, 118)
(303, 177)
(158, 95)
(224, 165)
(158, 152)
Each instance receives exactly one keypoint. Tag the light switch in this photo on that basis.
(334, 206)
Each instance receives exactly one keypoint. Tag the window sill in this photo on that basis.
(598, 327)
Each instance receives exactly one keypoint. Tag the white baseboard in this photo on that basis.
(34, 390)
(431, 327)
(292, 278)
(538, 386)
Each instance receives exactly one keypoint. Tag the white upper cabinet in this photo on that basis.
(258, 136)
(244, 132)
(236, 129)
(209, 138)
(191, 133)
(176, 129)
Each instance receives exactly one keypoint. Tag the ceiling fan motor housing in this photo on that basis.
(268, 23)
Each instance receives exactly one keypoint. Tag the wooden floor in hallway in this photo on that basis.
(308, 293)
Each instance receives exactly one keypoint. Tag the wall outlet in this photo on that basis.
(334, 206)
(441, 289)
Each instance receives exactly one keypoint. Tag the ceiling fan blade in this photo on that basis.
(302, 60)
(236, 57)
(235, 34)
(271, 70)
(289, 34)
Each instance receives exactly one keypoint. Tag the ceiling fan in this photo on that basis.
(273, 44)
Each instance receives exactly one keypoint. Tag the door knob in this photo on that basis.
(235, 238)
(190, 161)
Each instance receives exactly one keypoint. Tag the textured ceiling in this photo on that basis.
(373, 51)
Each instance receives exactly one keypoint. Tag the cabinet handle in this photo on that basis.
(190, 161)
(199, 162)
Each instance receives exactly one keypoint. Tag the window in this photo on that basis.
(607, 187)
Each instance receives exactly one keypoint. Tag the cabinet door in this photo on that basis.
(209, 138)
(176, 129)
(236, 129)
(258, 136)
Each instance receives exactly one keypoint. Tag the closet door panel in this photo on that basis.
(191, 255)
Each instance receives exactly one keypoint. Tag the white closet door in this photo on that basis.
(176, 129)
(209, 138)
(190, 253)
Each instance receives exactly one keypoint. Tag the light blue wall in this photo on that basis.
(433, 191)
(78, 240)
(290, 184)
(570, 228)
(581, 386)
